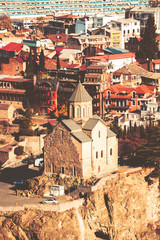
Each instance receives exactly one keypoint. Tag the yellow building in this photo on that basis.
(115, 37)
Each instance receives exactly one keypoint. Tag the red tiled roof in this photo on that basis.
(156, 61)
(52, 64)
(17, 47)
(15, 80)
(14, 91)
(51, 122)
(20, 60)
(108, 57)
(83, 67)
(120, 96)
(58, 37)
(68, 16)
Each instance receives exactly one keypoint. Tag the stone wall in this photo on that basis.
(60, 151)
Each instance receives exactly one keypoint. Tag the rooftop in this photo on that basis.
(80, 94)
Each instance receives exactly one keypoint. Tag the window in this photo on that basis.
(0, 68)
(111, 151)
(96, 154)
(102, 153)
(133, 94)
(124, 32)
(74, 171)
(62, 170)
(52, 94)
(99, 133)
(133, 103)
(52, 168)
(138, 102)
(17, 69)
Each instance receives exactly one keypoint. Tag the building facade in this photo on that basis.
(81, 146)
(16, 8)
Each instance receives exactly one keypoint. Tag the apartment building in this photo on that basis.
(128, 27)
(16, 9)
(142, 14)
(119, 99)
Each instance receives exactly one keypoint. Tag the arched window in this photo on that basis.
(78, 111)
(110, 151)
(72, 111)
(84, 112)
(88, 111)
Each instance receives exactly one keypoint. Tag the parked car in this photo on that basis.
(18, 182)
(51, 200)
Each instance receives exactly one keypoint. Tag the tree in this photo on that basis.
(26, 124)
(148, 46)
(41, 61)
(5, 22)
(18, 150)
(58, 62)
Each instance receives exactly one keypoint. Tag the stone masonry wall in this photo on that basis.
(60, 151)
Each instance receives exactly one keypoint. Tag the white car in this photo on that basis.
(51, 200)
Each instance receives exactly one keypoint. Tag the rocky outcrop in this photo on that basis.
(126, 208)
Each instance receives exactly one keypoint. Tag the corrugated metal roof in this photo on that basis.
(81, 136)
(110, 133)
(115, 50)
(80, 95)
(73, 126)
(90, 124)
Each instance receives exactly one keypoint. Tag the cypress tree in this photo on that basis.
(148, 46)
(41, 61)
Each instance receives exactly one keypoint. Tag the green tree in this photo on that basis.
(148, 46)
(58, 62)
(41, 62)
(5, 22)
(25, 127)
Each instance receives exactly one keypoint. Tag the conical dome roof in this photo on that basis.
(80, 94)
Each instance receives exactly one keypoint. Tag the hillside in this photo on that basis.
(125, 208)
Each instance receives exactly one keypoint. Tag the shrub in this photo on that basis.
(2, 141)
(18, 150)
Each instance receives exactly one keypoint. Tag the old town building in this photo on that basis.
(82, 145)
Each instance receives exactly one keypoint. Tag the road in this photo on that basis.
(7, 192)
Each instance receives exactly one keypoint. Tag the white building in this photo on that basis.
(128, 27)
(82, 145)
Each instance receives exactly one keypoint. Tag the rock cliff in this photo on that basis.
(126, 208)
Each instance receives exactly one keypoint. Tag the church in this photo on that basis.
(82, 145)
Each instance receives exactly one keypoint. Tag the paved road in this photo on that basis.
(7, 193)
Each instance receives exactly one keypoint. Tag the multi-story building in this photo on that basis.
(45, 95)
(90, 45)
(16, 91)
(142, 14)
(95, 81)
(120, 99)
(15, 8)
(128, 27)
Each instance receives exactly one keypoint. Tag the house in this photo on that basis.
(119, 99)
(82, 145)
(96, 80)
(142, 13)
(156, 65)
(58, 39)
(15, 90)
(129, 75)
(45, 95)
(133, 44)
(6, 112)
(113, 61)
(151, 79)
(129, 28)
(90, 45)
(129, 119)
